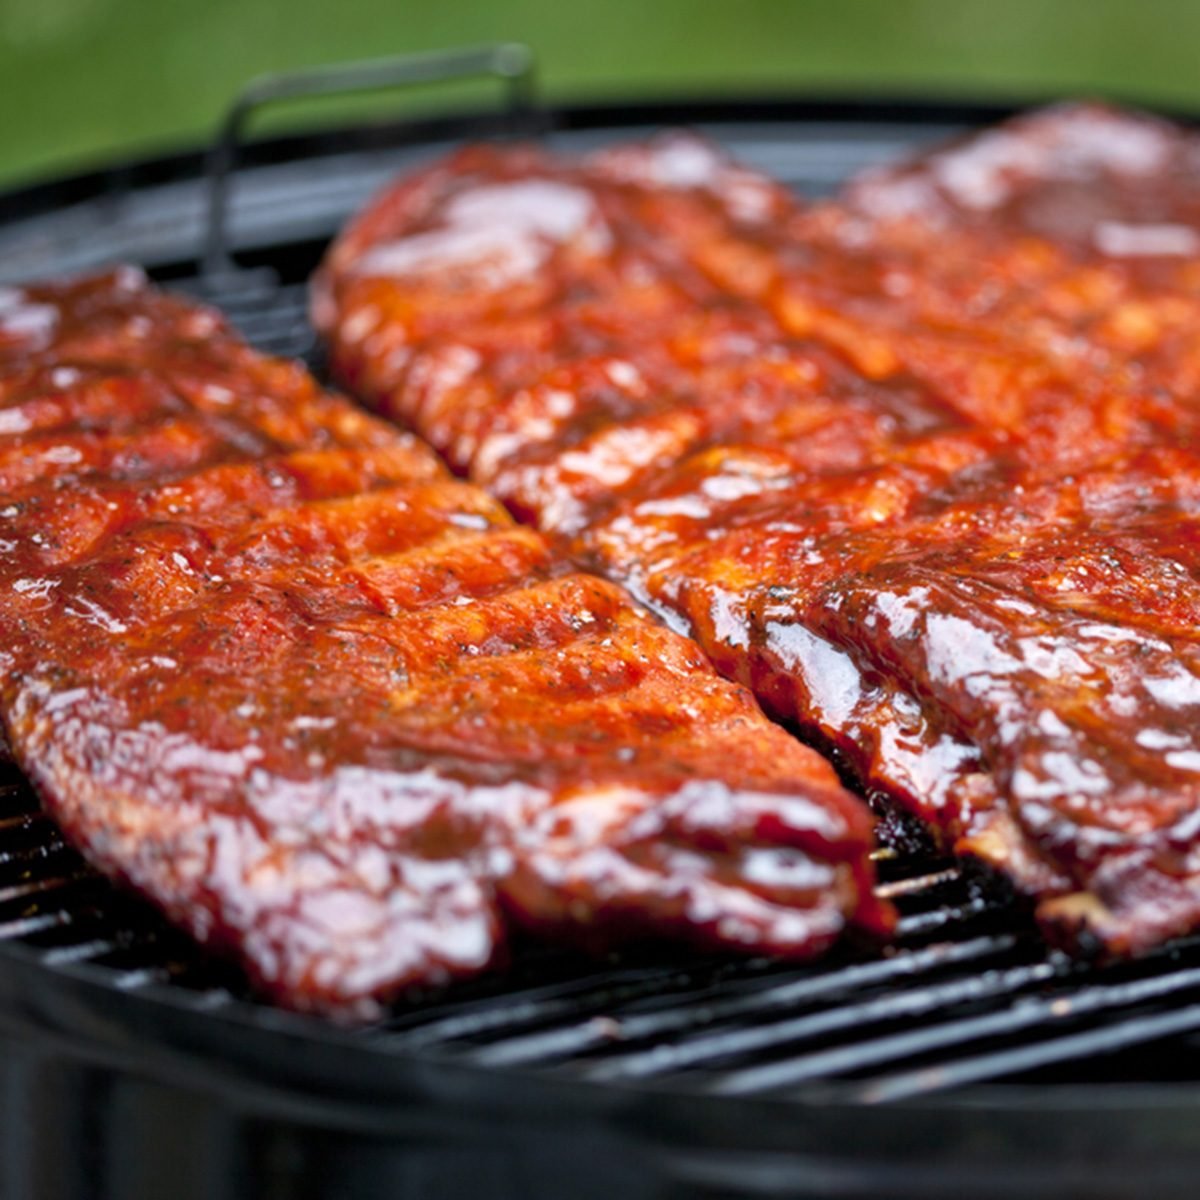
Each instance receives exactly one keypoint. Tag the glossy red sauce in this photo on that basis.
(919, 467)
(332, 710)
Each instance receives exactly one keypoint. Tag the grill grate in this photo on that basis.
(968, 994)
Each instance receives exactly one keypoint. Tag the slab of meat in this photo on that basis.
(332, 710)
(919, 467)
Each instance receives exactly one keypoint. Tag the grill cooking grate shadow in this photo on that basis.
(968, 993)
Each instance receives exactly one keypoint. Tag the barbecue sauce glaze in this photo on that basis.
(918, 467)
(333, 710)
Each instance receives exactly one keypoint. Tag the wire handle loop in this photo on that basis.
(510, 62)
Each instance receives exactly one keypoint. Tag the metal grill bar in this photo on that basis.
(28, 926)
(776, 1037)
(1028, 1014)
(1107, 1039)
(683, 1016)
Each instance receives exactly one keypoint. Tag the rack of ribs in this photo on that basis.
(333, 711)
(919, 467)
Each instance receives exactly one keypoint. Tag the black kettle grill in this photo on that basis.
(966, 1061)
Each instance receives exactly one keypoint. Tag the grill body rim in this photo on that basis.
(1125, 1140)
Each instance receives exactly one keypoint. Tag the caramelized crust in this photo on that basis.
(919, 467)
(332, 710)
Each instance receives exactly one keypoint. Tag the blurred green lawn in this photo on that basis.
(85, 79)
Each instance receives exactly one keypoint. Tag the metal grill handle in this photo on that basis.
(510, 62)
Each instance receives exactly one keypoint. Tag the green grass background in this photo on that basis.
(86, 79)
